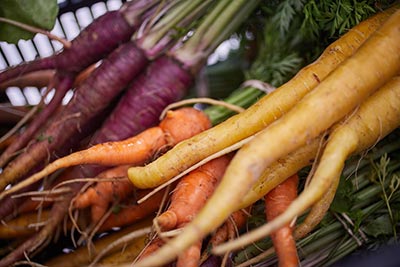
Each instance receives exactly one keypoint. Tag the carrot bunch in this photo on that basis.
(200, 177)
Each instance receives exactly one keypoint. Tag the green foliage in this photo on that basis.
(379, 226)
(389, 183)
(333, 18)
(38, 13)
(279, 56)
(344, 199)
(285, 14)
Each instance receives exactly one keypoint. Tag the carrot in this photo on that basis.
(188, 197)
(268, 109)
(127, 254)
(38, 79)
(317, 212)
(351, 81)
(154, 245)
(280, 170)
(132, 212)
(191, 192)
(63, 82)
(230, 229)
(361, 131)
(99, 196)
(191, 256)
(177, 126)
(276, 202)
(41, 78)
(163, 82)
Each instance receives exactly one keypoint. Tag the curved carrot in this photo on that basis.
(276, 202)
(361, 131)
(176, 126)
(259, 115)
(99, 197)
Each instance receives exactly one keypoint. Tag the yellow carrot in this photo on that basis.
(281, 170)
(375, 62)
(317, 212)
(258, 116)
(375, 118)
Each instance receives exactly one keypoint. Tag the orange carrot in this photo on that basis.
(175, 127)
(227, 231)
(230, 228)
(100, 196)
(153, 246)
(188, 198)
(191, 192)
(276, 202)
(191, 256)
(133, 212)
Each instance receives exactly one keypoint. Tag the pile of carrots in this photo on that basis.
(178, 189)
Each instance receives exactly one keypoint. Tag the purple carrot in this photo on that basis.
(64, 83)
(98, 39)
(93, 96)
(164, 82)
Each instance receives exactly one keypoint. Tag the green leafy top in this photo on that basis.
(325, 20)
(279, 56)
(38, 13)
